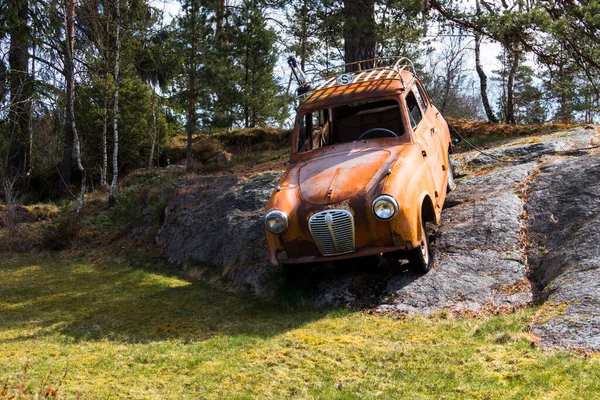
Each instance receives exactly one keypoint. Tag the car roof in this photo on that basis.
(365, 87)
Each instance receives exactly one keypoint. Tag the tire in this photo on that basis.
(421, 258)
(451, 183)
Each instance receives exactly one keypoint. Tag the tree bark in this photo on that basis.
(104, 166)
(510, 86)
(359, 33)
(17, 160)
(304, 35)
(220, 13)
(69, 73)
(154, 131)
(115, 177)
(483, 81)
(69, 68)
(191, 112)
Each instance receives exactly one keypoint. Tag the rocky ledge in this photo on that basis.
(521, 226)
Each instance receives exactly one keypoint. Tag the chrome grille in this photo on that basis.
(333, 231)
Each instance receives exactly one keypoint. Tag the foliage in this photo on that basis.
(232, 68)
(551, 66)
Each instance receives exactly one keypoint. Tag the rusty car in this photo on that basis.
(369, 168)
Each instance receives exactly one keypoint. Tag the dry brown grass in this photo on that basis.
(486, 129)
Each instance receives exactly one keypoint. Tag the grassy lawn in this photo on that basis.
(124, 332)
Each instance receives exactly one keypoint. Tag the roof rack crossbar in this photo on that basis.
(394, 66)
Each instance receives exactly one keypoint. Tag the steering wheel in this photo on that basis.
(387, 132)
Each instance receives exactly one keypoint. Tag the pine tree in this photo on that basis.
(193, 31)
(18, 155)
(256, 60)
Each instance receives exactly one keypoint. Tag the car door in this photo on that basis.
(433, 117)
(421, 117)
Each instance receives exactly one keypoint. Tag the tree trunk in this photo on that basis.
(115, 177)
(446, 89)
(69, 73)
(510, 106)
(17, 157)
(359, 32)
(69, 68)
(191, 112)
(247, 84)
(104, 166)
(483, 81)
(304, 35)
(158, 139)
(191, 122)
(220, 13)
(154, 131)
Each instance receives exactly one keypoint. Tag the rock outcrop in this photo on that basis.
(218, 221)
(481, 256)
(564, 230)
(523, 222)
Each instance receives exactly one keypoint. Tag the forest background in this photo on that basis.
(92, 89)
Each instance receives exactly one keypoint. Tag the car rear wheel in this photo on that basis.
(451, 183)
(421, 257)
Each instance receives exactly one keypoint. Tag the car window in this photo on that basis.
(347, 122)
(421, 98)
(305, 122)
(350, 121)
(313, 130)
(414, 112)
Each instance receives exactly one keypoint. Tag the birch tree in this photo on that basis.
(115, 157)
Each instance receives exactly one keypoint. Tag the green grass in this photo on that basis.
(124, 332)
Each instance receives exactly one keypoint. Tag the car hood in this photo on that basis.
(336, 177)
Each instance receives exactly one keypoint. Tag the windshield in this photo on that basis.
(348, 122)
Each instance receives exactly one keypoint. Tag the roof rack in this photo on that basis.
(379, 68)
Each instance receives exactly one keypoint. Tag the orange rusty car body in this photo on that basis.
(369, 166)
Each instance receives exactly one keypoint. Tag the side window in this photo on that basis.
(414, 112)
(306, 123)
(313, 130)
(317, 119)
(421, 98)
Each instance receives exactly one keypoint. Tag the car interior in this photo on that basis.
(350, 122)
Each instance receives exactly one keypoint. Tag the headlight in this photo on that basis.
(276, 221)
(385, 207)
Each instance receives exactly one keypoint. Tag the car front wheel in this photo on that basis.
(421, 257)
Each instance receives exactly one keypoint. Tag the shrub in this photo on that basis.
(60, 236)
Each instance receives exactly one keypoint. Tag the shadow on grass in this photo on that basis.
(122, 303)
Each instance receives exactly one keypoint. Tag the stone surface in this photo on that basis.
(564, 234)
(220, 221)
(533, 217)
(524, 151)
(480, 252)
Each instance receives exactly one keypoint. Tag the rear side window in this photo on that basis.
(414, 112)
(421, 98)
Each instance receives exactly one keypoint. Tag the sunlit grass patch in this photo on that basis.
(125, 332)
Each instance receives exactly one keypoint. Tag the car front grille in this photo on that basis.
(333, 231)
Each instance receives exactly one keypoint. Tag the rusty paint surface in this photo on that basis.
(412, 168)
